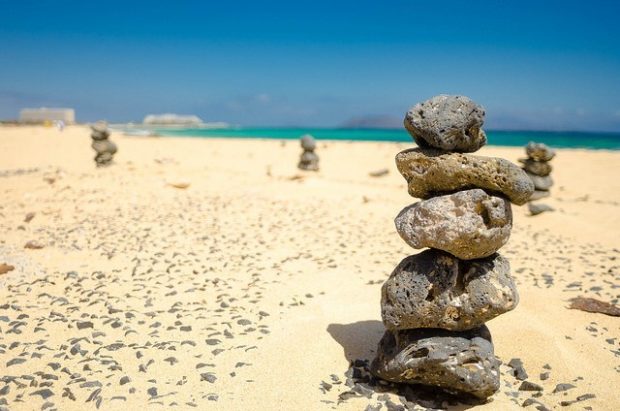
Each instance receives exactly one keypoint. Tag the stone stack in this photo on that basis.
(435, 304)
(101, 144)
(309, 160)
(538, 169)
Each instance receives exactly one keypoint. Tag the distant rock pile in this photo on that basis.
(309, 160)
(538, 169)
(434, 304)
(101, 144)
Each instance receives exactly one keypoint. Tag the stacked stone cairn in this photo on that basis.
(104, 148)
(435, 303)
(309, 160)
(538, 169)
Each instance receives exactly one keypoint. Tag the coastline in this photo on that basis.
(310, 249)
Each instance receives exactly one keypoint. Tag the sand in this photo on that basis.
(256, 285)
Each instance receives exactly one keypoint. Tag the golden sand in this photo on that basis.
(212, 274)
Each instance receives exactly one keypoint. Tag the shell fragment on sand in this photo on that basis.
(451, 123)
(468, 224)
(433, 172)
(458, 362)
(436, 290)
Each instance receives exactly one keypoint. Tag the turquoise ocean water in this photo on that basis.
(610, 141)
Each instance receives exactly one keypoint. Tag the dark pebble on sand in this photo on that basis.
(45, 393)
(517, 369)
(562, 387)
(530, 386)
(208, 376)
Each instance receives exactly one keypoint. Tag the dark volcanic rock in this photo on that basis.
(451, 123)
(436, 290)
(468, 224)
(455, 361)
(432, 172)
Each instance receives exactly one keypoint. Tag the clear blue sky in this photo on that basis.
(532, 64)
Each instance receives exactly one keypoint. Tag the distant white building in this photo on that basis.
(171, 119)
(44, 114)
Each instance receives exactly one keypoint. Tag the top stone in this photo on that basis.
(308, 142)
(451, 123)
(539, 151)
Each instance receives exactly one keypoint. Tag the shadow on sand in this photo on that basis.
(359, 341)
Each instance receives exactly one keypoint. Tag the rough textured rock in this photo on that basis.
(433, 172)
(450, 123)
(468, 224)
(458, 362)
(436, 290)
(541, 183)
(538, 194)
(539, 151)
(536, 209)
(309, 160)
(539, 168)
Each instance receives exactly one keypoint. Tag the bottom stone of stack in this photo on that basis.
(541, 183)
(538, 194)
(458, 362)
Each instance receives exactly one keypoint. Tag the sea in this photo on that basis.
(557, 139)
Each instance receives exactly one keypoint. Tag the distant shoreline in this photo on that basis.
(558, 139)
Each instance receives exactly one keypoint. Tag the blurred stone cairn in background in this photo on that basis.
(538, 169)
(309, 160)
(435, 303)
(101, 144)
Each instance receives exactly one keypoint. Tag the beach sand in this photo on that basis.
(256, 285)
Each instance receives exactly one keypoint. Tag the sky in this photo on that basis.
(537, 65)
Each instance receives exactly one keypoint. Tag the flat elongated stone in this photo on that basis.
(539, 151)
(536, 208)
(433, 172)
(458, 362)
(539, 168)
(538, 194)
(436, 290)
(468, 224)
(451, 123)
(541, 183)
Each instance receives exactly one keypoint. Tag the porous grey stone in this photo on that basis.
(538, 194)
(541, 183)
(458, 362)
(536, 209)
(432, 172)
(451, 123)
(539, 168)
(434, 289)
(539, 151)
(468, 224)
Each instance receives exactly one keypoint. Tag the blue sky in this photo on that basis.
(532, 64)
